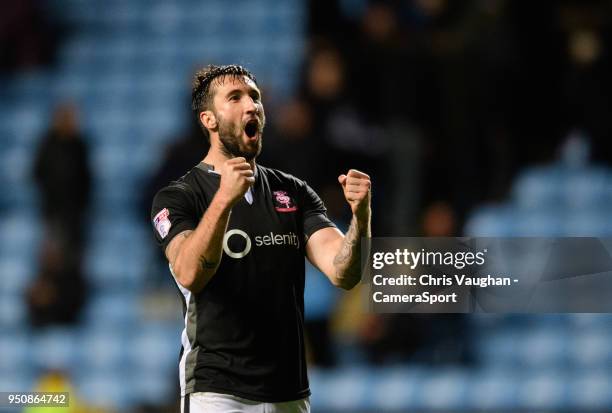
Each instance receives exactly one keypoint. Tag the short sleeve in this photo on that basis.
(173, 212)
(315, 213)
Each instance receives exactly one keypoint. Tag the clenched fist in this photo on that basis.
(356, 186)
(236, 178)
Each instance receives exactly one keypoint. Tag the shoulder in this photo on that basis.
(182, 189)
(281, 177)
(178, 187)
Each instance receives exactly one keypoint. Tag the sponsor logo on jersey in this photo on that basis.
(283, 202)
(162, 222)
(236, 254)
(270, 239)
(278, 239)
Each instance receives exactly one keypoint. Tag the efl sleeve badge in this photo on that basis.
(162, 222)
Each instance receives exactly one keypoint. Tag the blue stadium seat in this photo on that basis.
(540, 186)
(394, 388)
(586, 188)
(26, 123)
(102, 348)
(590, 350)
(30, 81)
(105, 389)
(442, 390)
(164, 17)
(490, 221)
(328, 387)
(543, 390)
(588, 222)
(20, 232)
(70, 86)
(22, 380)
(154, 389)
(112, 309)
(155, 349)
(543, 348)
(499, 349)
(492, 388)
(54, 348)
(589, 391)
(17, 272)
(15, 350)
(320, 296)
(540, 222)
(589, 322)
(13, 311)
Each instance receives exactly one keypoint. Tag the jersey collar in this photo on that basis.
(211, 169)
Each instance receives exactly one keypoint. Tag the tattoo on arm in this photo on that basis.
(208, 265)
(174, 247)
(348, 259)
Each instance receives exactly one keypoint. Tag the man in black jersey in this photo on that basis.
(235, 234)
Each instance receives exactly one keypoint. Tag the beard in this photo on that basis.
(232, 142)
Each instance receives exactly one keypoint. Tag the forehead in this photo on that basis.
(226, 83)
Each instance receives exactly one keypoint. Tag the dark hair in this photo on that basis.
(202, 93)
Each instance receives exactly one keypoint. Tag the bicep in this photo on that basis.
(322, 247)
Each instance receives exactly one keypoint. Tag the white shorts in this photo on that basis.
(208, 402)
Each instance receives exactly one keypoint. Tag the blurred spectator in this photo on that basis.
(63, 175)
(586, 83)
(383, 70)
(326, 19)
(352, 139)
(439, 220)
(346, 139)
(57, 382)
(57, 294)
(27, 38)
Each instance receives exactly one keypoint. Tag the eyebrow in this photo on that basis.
(238, 90)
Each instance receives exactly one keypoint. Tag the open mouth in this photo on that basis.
(251, 128)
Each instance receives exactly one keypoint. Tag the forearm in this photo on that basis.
(200, 253)
(347, 262)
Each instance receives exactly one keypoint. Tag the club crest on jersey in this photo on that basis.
(162, 222)
(283, 202)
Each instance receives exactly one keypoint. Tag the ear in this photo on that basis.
(208, 119)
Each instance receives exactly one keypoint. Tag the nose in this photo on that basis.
(250, 106)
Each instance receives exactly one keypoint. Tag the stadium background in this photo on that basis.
(472, 117)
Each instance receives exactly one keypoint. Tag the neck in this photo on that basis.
(216, 157)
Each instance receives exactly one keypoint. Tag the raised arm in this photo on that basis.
(338, 256)
(195, 255)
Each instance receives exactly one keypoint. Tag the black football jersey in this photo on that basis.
(244, 332)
